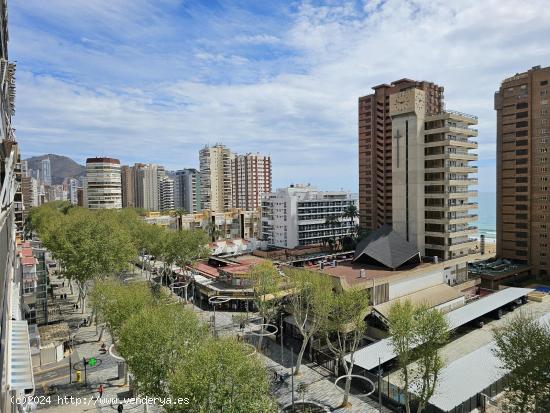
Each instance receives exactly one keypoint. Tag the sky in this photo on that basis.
(156, 80)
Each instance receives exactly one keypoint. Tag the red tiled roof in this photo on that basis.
(28, 261)
(206, 270)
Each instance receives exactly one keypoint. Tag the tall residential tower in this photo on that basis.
(523, 169)
(375, 148)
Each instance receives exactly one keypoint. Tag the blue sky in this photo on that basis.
(155, 80)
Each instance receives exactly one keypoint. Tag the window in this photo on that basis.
(522, 143)
(521, 152)
(521, 115)
(521, 253)
(521, 170)
(521, 133)
(521, 225)
(543, 82)
(544, 92)
(522, 124)
(522, 105)
(521, 234)
(521, 198)
(521, 216)
(521, 189)
(521, 161)
(521, 243)
(521, 207)
(521, 180)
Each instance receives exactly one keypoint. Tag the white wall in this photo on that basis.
(416, 283)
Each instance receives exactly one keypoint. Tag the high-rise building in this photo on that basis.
(72, 186)
(523, 169)
(127, 184)
(251, 179)
(103, 188)
(16, 370)
(216, 178)
(431, 183)
(46, 171)
(166, 194)
(187, 190)
(302, 215)
(29, 189)
(375, 148)
(148, 186)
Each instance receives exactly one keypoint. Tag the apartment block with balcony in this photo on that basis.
(216, 178)
(375, 148)
(432, 180)
(301, 215)
(522, 104)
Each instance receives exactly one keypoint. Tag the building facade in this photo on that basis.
(302, 215)
(522, 104)
(216, 178)
(46, 171)
(127, 185)
(431, 179)
(375, 148)
(103, 187)
(187, 190)
(166, 194)
(251, 179)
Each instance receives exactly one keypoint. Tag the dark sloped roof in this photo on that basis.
(386, 247)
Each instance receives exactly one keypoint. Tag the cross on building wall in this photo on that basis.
(397, 137)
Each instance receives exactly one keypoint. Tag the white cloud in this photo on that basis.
(157, 104)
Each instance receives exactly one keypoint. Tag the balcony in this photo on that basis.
(469, 243)
(455, 115)
(452, 156)
(458, 130)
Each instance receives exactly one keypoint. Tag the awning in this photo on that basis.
(20, 375)
(382, 351)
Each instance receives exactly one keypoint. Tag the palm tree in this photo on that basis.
(332, 221)
(212, 231)
(179, 213)
(351, 212)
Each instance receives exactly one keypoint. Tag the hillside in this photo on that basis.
(62, 167)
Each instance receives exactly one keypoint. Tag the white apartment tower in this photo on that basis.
(300, 215)
(251, 179)
(46, 169)
(148, 184)
(216, 178)
(431, 180)
(166, 194)
(103, 189)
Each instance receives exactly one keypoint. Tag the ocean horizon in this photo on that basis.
(487, 215)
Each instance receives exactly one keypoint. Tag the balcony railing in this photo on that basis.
(464, 115)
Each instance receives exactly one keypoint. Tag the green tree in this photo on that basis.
(221, 376)
(309, 303)
(90, 246)
(352, 213)
(523, 348)
(115, 302)
(417, 333)
(212, 230)
(345, 328)
(332, 221)
(266, 281)
(152, 341)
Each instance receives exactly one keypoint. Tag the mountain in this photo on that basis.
(62, 167)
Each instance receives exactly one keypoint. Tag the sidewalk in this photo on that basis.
(76, 397)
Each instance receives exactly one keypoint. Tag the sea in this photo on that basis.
(487, 212)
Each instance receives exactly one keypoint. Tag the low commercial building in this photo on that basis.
(302, 215)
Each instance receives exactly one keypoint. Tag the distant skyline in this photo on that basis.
(156, 80)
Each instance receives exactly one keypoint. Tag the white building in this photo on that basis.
(46, 169)
(297, 216)
(72, 186)
(103, 188)
(216, 178)
(149, 187)
(166, 194)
